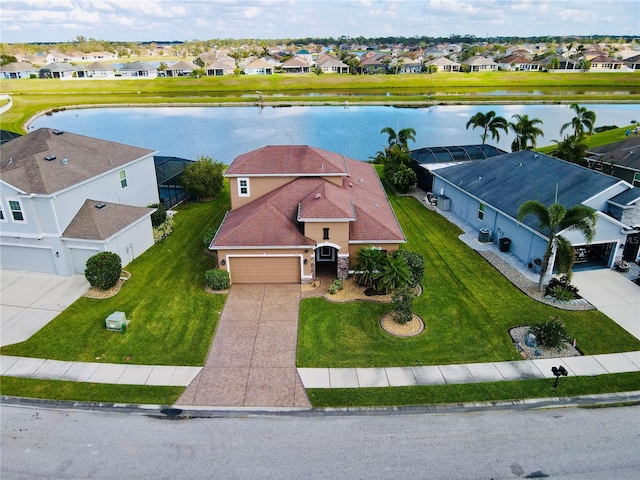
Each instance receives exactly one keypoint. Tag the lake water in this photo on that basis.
(223, 133)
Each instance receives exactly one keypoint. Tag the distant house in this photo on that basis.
(218, 69)
(258, 67)
(330, 64)
(17, 70)
(443, 64)
(58, 70)
(602, 63)
(138, 69)
(65, 197)
(480, 64)
(296, 209)
(407, 65)
(376, 63)
(620, 159)
(306, 55)
(487, 194)
(565, 63)
(296, 65)
(180, 69)
(518, 62)
(633, 62)
(99, 70)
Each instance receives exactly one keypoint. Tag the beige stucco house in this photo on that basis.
(296, 209)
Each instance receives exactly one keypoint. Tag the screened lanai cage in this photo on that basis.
(168, 173)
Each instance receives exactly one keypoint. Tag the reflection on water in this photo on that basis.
(223, 133)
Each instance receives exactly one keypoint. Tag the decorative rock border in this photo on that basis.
(98, 294)
(410, 329)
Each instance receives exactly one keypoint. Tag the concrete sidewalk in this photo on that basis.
(468, 373)
(119, 374)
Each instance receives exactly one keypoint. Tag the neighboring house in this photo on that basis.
(633, 63)
(306, 55)
(566, 64)
(330, 64)
(480, 64)
(295, 209)
(487, 194)
(443, 64)
(138, 69)
(602, 63)
(296, 65)
(99, 70)
(620, 159)
(407, 65)
(17, 70)
(65, 197)
(425, 160)
(258, 67)
(218, 69)
(518, 62)
(180, 69)
(376, 63)
(58, 70)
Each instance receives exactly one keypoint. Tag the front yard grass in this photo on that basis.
(467, 306)
(172, 318)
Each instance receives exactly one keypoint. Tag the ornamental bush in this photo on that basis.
(217, 279)
(103, 270)
(159, 216)
(550, 334)
(560, 287)
(415, 261)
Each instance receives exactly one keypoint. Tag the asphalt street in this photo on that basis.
(562, 443)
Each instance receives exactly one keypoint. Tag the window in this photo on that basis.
(243, 187)
(16, 210)
(481, 211)
(636, 179)
(123, 178)
(2, 219)
(325, 234)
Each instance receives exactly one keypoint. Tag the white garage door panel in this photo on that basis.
(265, 269)
(27, 259)
(79, 257)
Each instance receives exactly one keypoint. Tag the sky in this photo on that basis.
(181, 20)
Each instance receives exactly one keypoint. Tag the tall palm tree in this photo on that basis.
(526, 132)
(557, 219)
(401, 138)
(571, 148)
(584, 119)
(490, 123)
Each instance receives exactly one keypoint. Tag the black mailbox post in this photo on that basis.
(559, 372)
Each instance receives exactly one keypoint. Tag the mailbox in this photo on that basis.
(116, 321)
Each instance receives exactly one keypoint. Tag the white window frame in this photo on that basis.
(12, 211)
(241, 187)
(481, 211)
(122, 174)
(3, 218)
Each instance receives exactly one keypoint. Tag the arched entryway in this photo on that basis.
(326, 260)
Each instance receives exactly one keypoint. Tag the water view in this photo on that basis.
(223, 133)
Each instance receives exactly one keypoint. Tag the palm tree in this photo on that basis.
(571, 148)
(526, 132)
(490, 123)
(401, 138)
(584, 119)
(557, 219)
(367, 265)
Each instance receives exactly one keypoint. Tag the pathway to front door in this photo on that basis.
(252, 360)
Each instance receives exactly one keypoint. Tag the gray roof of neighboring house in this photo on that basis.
(18, 67)
(507, 181)
(183, 65)
(625, 153)
(99, 66)
(93, 223)
(59, 67)
(627, 197)
(138, 66)
(24, 163)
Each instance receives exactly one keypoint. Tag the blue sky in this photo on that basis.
(143, 20)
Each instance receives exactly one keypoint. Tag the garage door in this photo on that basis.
(264, 269)
(79, 257)
(27, 259)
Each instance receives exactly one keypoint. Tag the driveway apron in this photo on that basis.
(252, 360)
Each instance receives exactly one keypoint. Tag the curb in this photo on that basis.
(175, 412)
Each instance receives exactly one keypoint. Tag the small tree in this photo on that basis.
(103, 270)
(403, 177)
(402, 305)
(203, 178)
(416, 263)
(368, 264)
(393, 273)
(159, 216)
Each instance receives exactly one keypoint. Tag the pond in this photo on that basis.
(223, 133)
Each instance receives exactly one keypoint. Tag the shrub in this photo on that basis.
(159, 216)
(550, 334)
(558, 286)
(335, 286)
(217, 279)
(416, 263)
(163, 230)
(203, 178)
(393, 273)
(368, 263)
(103, 270)
(401, 302)
(208, 235)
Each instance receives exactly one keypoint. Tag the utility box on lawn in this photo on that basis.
(117, 321)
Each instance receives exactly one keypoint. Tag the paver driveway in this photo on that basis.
(252, 360)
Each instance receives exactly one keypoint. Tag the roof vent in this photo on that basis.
(361, 180)
(65, 161)
(58, 132)
(350, 184)
(100, 205)
(50, 158)
(318, 196)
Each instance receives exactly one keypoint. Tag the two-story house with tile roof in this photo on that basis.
(65, 197)
(296, 209)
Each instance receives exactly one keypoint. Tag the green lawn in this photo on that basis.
(467, 306)
(172, 318)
